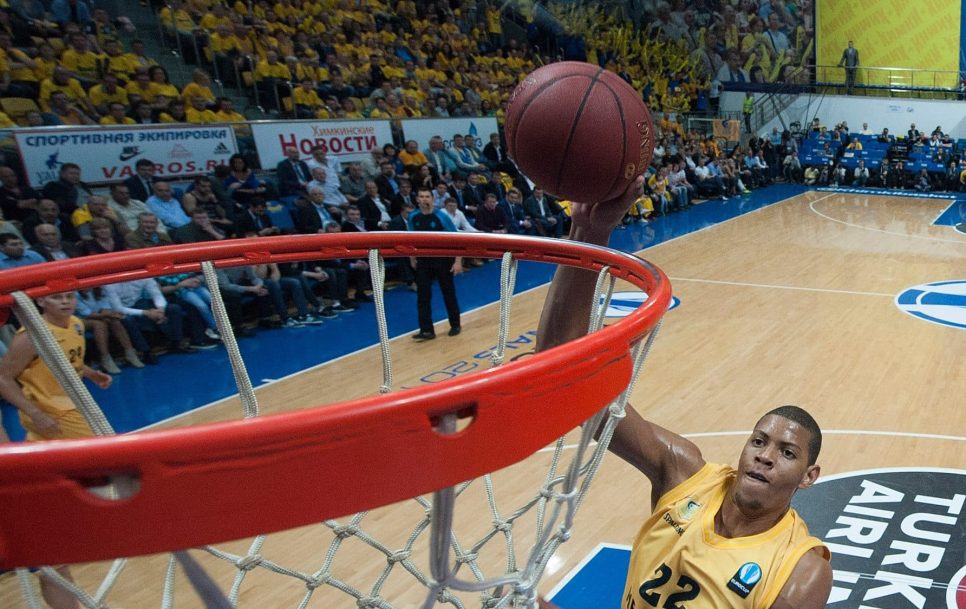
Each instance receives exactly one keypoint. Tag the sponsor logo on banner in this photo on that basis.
(623, 304)
(897, 536)
(108, 154)
(941, 302)
(423, 129)
(345, 140)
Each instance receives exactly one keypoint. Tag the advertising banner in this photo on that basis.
(108, 154)
(422, 129)
(345, 140)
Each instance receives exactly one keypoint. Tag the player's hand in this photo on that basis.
(101, 379)
(604, 216)
(457, 268)
(45, 424)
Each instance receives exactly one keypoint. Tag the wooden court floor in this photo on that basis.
(793, 304)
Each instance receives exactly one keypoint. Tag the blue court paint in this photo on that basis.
(953, 215)
(180, 383)
(597, 582)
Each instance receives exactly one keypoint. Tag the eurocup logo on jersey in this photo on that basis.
(743, 582)
(897, 536)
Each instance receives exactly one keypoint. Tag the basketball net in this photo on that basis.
(453, 566)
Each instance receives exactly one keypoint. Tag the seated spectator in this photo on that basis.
(451, 208)
(143, 113)
(140, 88)
(837, 176)
(164, 91)
(63, 112)
(202, 195)
(68, 187)
(423, 178)
(168, 209)
(271, 78)
(49, 213)
(293, 285)
(411, 157)
(323, 178)
(116, 63)
(148, 233)
(141, 184)
(174, 113)
(376, 211)
(312, 213)
(142, 300)
(321, 158)
(545, 214)
(466, 159)
(17, 203)
(860, 175)
(307, 102)
(922, 182)
(103, 238)
(356, 270)
(440, 194)
(198, 229)
(292, 174)
(225, 112)
(197, 112)
(353, 222)
(811, 175)
(188, 291)
(706, 183)
(124, 207)
(242, 182)
(353, 184)
(62, 81)
(51, 246)
(884, 137)
(200, 86)
(240, 285)
(14, 253)
(490, 218)
(442, 161)
(117, 115)
(95, 309)
(793, 168)
(256, 221)
(465, 195)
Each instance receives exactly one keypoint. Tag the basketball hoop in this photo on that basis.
(304, 467)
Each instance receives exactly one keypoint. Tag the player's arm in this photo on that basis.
(809, 585)
(664, 457)
(18, 357)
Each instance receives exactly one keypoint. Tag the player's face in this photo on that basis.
(59, 304)
(773, 465)
(425, 201)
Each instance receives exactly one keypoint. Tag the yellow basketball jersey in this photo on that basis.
(39, 384)
(679, 561)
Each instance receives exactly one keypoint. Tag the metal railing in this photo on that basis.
(871, 80)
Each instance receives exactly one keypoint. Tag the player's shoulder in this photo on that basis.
(809, 584)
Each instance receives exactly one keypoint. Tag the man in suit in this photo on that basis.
(519, 223)
(48, 212)
(255, 221)
(141, 184)
(495, 158)
(376, 212)
(465, 195)
(353, 221)
(50, 246)
(440, 159)
(312, 213)
(387, 181)
(544, 213)
(406, 194)
(292, 173)
(495, 186)
(850, 60)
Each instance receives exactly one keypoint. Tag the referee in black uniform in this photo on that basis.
(427, 218)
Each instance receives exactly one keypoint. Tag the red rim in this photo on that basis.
(222, 481)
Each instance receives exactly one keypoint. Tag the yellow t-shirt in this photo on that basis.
(122, 66)
(24, 74)
(38, 382)
(100, 97)
(146, 95)
(266, 70)
(200, 117)
(310, 98)
(677, 553)
(73, 90)
(85, 64)
(109, 120)
(229, 117)
(192, 89)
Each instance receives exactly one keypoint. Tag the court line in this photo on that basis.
(827, 432)
(479, 308)
(781, 287)
(811, 206)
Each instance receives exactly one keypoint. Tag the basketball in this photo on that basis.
(578, 131)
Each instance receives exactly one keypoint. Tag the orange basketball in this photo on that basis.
(578, 131)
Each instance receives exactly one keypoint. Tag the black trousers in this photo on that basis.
(438, 269)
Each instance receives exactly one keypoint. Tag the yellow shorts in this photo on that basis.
(72, 425)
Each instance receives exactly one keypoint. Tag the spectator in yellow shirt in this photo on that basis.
(175, 113)
(306, 99)
(83, 64)
(200, 85)
(45, 62)
(164, 91)
(106, 93)
(116, 62)
(62, 81)
(66, 111)
(117, 115)
(141, 88)
(23, 78)
(225, 113)
(381, 110)
(198, 113)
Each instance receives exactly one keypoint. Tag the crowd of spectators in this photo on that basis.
(836, 156)
(315, 59)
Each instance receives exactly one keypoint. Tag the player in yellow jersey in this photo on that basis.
(717, 536)
(25, 381)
